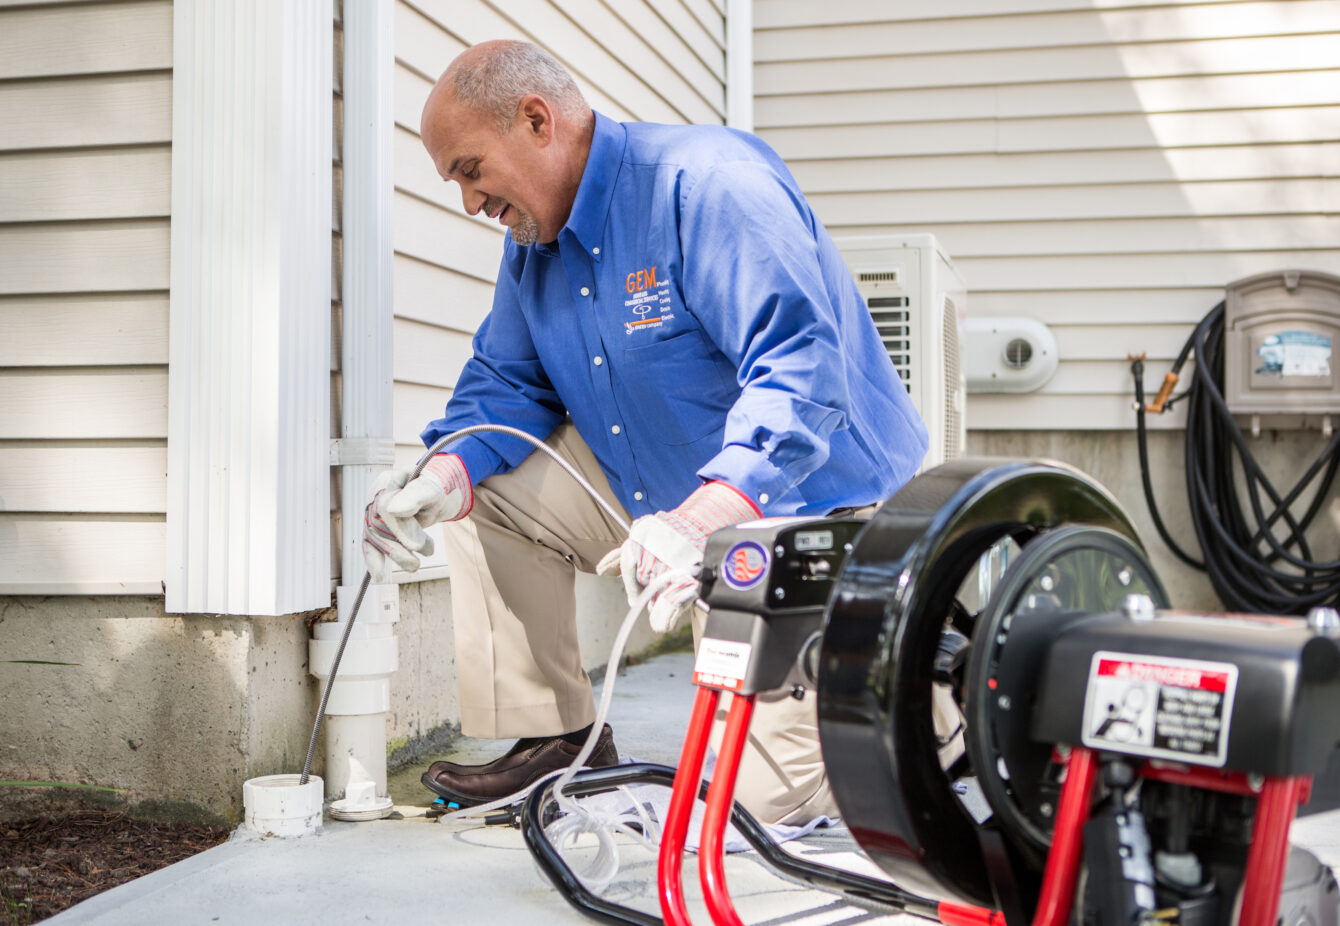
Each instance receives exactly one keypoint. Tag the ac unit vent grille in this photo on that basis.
(895, 330)
(878, 276)
(910, 288)
(953, 410)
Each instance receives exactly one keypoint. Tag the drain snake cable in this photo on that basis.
(576, 820)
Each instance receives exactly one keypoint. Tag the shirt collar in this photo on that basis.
(591, 206)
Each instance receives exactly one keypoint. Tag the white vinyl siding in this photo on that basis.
(645, 60)
(86, 105)
(1105, 168)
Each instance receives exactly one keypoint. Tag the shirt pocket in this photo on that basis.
(677, 390)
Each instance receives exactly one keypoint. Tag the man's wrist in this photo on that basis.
(754, 509)
(715, 505)
(450, 472)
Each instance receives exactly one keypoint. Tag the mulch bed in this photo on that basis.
(50, 863)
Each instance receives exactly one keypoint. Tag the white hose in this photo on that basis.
(564, 831)
(576, 819)
(367, 576)
(538, 445)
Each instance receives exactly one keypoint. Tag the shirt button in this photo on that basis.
(586, 291)
(615, 429)
(597, 360)
(763, 499)
(637, 496)
(595, 250)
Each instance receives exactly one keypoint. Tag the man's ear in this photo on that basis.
(535, 116)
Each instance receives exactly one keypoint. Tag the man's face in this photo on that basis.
(502, 174)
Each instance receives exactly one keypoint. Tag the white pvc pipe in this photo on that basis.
(365, 348)
(277, 805)
(740, 64)
(356, 722)
(348, 739)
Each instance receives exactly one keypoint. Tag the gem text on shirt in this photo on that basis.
(643, 279)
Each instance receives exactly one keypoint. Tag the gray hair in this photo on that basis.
(495, 85)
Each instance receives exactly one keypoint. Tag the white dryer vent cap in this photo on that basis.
(1007, 354)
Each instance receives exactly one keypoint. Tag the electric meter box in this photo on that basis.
(1281, 332)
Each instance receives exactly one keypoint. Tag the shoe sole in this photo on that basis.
(460, 800)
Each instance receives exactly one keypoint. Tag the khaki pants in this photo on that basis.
(513, 564)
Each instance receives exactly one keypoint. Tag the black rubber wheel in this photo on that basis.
(1063, 575)
(893, 599)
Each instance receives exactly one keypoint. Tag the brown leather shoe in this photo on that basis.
(468, 785)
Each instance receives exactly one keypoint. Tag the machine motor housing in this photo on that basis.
(1247, 693)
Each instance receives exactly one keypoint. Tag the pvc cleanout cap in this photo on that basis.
(277, 805)
(360, 801)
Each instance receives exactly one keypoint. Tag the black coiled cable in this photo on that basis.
(1262, 563)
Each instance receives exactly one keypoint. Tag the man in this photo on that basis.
(673, 319)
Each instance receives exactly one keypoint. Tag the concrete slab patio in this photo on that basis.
(410, 869)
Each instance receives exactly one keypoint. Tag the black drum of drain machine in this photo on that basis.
(892, 603)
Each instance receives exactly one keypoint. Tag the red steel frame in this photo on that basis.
(957, 914)
(669, 863)
(720, 794)
(711, 844)
(1058, 881)
(1269, 852)
(1277, 802)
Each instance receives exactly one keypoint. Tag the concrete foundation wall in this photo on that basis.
(1112, 457)
(175, 712)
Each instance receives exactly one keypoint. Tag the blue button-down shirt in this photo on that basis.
(697, 322)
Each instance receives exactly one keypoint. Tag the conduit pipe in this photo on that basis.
(355, 725)
(740, 64)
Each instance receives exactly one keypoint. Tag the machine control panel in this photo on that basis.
(766, 583)
(776, 564)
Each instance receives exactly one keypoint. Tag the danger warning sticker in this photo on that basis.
(1160, 707)
(721, 664)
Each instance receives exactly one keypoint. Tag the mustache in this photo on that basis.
(493, 205)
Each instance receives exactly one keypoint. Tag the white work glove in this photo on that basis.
(673, 541)
(400, 508)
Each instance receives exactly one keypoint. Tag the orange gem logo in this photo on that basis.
(641, 280)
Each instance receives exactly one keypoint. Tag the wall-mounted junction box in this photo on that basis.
(1281, 330)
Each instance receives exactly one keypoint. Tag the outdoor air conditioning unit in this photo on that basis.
(918, 302)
